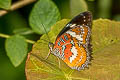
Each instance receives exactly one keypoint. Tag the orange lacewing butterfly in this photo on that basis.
(72, 43)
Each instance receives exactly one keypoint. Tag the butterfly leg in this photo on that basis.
(47, 55)
(58, 62)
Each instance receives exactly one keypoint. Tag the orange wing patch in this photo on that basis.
(78, 57)
(85, 34)
(77, 30)
(80, 33)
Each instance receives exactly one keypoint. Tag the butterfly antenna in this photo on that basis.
(46, 32)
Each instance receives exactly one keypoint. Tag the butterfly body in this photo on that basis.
(72, 42)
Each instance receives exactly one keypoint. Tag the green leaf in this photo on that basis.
(5, 4)
(71, 8)
(77, 6)
(44, 12)
(106, 55)
(16, 48)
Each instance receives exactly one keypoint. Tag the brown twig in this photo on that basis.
(16, 5)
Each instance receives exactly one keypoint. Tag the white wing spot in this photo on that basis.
(73, 34)
(83, 16)
(83, 32)
(73, 25)
(74, 51)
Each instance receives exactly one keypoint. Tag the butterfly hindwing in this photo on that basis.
(71, 47)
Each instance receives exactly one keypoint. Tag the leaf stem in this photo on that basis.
(16, 5)
(7, 36)
(30, 41)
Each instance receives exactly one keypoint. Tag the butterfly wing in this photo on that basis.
(77, 58)
(71, 44)
(84, 18)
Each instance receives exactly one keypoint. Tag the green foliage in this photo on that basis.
(14, 21)
(106, 55)
(71, 8)
(105, 33)
(8, 71)
(23, 31)
(117, 17)
(104, 8)
(16, 48)
(44, 12)
(77, 6)
(5, 4)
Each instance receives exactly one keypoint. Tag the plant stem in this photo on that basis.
(30, 41)
(16, 5)
(4, 35)
(7, 36)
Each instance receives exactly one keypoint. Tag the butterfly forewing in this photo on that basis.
(84, 18)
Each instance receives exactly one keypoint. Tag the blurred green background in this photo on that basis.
(16, 22)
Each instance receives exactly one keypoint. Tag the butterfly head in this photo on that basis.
(51, 45)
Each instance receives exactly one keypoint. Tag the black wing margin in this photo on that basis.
(84, 18)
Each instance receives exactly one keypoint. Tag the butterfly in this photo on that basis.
(72, 43)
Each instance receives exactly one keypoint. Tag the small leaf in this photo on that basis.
(77, 6)
(44, 12)
(106, 55)
(16, 48)
(5, 4)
